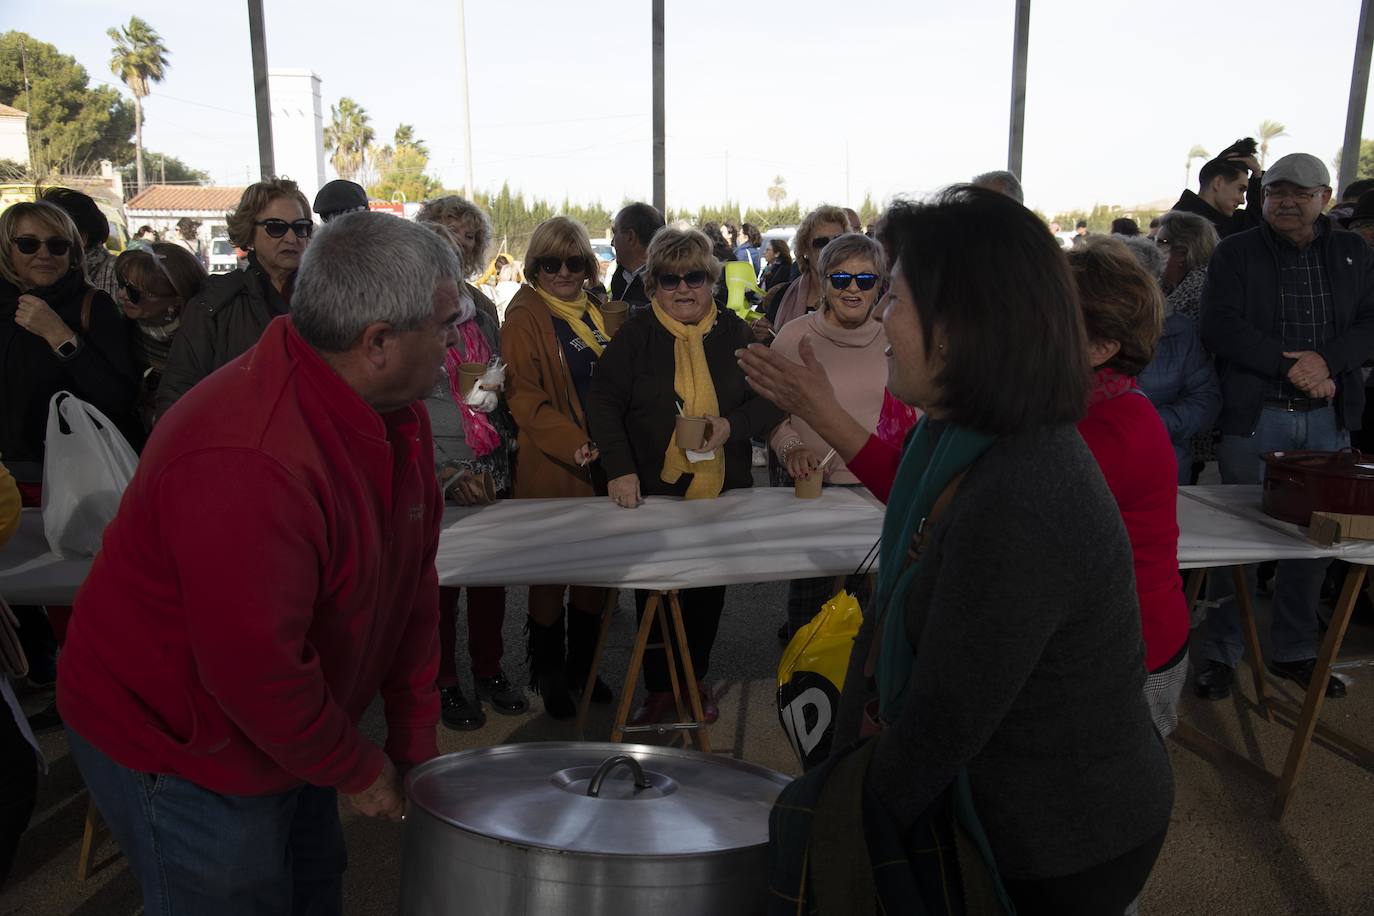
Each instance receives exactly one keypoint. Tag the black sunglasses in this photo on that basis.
(821, 241)
(841, 281)
(27, 244)
(133, 292)
(695, 279)
(276, 228)
(550, 265)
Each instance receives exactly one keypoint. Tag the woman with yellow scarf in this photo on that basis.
(681, 352)
(552, 339)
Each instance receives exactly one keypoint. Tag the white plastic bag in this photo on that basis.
(87, 465)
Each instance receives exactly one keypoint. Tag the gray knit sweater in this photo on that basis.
(1030, 667)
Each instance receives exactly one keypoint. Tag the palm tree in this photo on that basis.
(777, 192)
(405, 136)
(139, 58)
(1197, 152)
(1269, 130)
(350, 135)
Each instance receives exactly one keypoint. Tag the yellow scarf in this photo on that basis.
(573, 313)
(692, 381)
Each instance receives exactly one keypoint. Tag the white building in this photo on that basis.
(297, 128)
(161, 205)
(14, 134)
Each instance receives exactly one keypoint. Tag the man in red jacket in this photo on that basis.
(271, 569)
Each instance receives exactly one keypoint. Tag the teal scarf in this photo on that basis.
(927, 466)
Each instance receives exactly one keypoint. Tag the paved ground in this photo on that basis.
(1224, 855)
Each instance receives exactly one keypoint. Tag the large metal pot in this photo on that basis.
(585, 828)
(1298, 483)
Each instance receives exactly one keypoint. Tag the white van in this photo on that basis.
(223, 258)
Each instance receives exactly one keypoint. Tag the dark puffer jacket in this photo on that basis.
(218, 325)
(1183, 386)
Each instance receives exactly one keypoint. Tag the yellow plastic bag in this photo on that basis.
(811, 677)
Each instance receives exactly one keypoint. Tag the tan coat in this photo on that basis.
(541, 396)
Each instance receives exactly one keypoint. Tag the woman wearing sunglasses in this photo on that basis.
(273, 224)
(57, 333)
(795, 298)
(552, 339)
(680, 352)
(845, 338)
(153, 286)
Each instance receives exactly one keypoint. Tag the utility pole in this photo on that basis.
(660, 145)
(1020, 53)
(1359, 85)
(257, 38)
(28, 101)
(467, 109)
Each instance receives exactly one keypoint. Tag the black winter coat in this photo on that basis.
(221, 323)
(632, 408)
(102, 372)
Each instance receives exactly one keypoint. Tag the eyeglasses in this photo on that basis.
(135, 295)
(58, 248)
(276, 228)
(695, 279)
(821, 241)
(551, 265)
(841, 281)
(1300, 195)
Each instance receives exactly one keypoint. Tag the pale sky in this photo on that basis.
(910, 94)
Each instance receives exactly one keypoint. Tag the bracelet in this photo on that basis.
(788, 448)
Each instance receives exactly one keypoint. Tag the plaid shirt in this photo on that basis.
(1306, 313)
(100, 271)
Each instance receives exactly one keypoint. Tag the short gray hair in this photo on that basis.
(1002, 181)
(366, 267)
(853, 245)
(1193, 233)
(1151, 256)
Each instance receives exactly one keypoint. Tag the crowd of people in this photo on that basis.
(323, 404)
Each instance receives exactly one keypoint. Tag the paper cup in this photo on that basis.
(469, 374)
(692, 432)
(810, 488)
(488, 486)
(616, 314)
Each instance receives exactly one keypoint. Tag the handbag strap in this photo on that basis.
(86, 301)
(919, 541)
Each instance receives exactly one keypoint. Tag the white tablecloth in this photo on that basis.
(760, 535)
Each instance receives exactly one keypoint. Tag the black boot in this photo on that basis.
(547, 659)
(583, 630)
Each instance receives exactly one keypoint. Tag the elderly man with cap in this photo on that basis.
(1288, 309)
(338, 197)
(215, 674)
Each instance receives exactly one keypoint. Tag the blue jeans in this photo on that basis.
(199, 853)
(1298, 583)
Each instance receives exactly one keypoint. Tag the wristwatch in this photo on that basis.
(67, 349)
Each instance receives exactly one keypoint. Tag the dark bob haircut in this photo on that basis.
(987, 271)
(84, 211)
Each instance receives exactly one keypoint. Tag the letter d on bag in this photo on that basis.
(86, 466)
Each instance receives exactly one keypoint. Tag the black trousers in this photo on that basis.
(18, 788)
(1103, 890)
(701, 608)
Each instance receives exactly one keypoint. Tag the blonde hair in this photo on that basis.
(166, 270)
(255, 197)
(807, 231)
(678, 251)
(53, 218)
(560, 237)
(453, 208)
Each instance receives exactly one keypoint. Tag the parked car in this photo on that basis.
(223, 257)
(605, 253)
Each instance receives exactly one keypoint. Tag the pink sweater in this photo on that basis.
(857, 368)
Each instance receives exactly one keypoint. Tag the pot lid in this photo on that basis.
(1347, 463)
(645, 801)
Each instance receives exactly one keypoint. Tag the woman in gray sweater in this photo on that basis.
(1004, 641)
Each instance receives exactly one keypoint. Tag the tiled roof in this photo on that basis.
(185, 197)
(7, 111)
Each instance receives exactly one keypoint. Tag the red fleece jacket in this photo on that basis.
(271, 568)
(1132, 448)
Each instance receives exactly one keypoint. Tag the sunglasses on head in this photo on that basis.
(551, 265)
(841, 281)
(695, 279)
(276, 228)
(27, 244)
(821, 241)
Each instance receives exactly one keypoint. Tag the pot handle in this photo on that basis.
(641, 781)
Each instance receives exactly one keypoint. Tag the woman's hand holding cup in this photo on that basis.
(801, 463)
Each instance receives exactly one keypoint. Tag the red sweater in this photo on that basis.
(270, 570)
(1132, 448)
